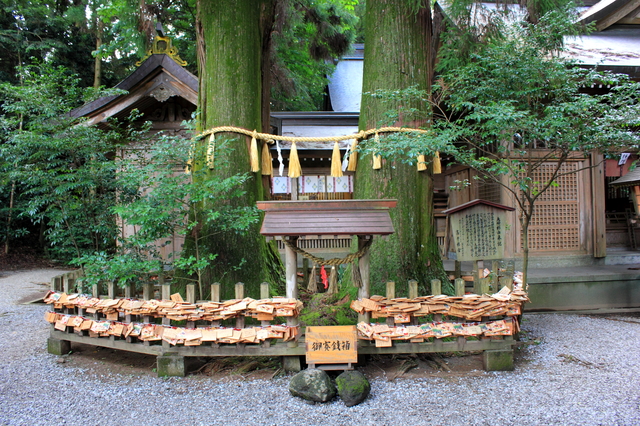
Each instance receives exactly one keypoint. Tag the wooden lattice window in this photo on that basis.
(490, 191)
(555, 224)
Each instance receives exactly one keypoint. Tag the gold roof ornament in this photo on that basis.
(163, 45)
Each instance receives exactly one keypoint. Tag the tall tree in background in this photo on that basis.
(234, 51)
(231, 53)
(399, 52)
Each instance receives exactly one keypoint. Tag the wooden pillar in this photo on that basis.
(291, 269)
(294, 189)
(305, 271)
(598, 199)
(365, 290)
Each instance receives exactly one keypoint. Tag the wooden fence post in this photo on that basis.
(436, 287)
(391, 294)
(459, 286)
(239, 290)
(477, 273)
(413, 289)
(215, 297)
(264, 294)
(111, 290)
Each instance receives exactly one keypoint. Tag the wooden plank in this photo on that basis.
(366, 348)
(326, 204)
(331, 344)
(303, 223)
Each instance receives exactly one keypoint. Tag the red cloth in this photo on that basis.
(323, 277)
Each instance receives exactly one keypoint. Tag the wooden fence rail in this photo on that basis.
(172, 352)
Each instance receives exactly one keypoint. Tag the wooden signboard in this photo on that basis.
(478, 229)
(331, 345)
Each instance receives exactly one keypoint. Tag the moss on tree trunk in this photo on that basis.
(396, 57)
(230, 55)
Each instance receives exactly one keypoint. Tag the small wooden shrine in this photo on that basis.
(293, 220)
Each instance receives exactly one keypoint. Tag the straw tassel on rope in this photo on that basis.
(312, 287)
(377, 159)
(253, 153)
(356, 277)
(353, 156)
(333, 281)
(336, 163)
(267, 162)
(294, 162)
(437, 166)
(211, 148)
(422, 163)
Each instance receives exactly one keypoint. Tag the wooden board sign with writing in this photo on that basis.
(478, 229)
(331, 345)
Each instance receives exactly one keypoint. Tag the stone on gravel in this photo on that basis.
(353, 387)
(312, 385)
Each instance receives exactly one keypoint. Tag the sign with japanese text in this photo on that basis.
(479, 233)
(331, 344)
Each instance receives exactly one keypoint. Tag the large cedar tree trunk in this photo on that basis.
(397, 56)
(231, 54)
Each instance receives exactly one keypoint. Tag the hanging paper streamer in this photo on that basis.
(336, 170)
(267, 162)
(294, 162)
(211, 148)
(323, 277)
(345, 159)
(253, 154)
(189, 166)
(422, 163)
(353, 156)
(280, 159)
(437, 166)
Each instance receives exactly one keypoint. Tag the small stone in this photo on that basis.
(61, 360)
(353, 387)
(312, 385)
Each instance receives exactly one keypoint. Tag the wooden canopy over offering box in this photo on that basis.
(326, 217)
(294, 219)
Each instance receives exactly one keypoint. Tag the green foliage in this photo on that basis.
(312, 33)
(159, 201)
(60, 171)
(509, 94)
(330, 309)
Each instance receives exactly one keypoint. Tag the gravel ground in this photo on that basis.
(585, 371)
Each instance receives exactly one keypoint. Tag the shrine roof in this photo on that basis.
(477, 202)
(326, 217)
(630, 179)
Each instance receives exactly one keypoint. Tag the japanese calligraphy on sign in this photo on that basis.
(479, 232)
(331, 345)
